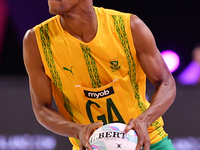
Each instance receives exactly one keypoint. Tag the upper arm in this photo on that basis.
(148, 54)
(40, 85)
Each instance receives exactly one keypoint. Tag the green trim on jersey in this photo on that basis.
(120, 28)
(91, 65)
(44, 33)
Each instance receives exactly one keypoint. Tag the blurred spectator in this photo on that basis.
(191, 74)
(3, 20)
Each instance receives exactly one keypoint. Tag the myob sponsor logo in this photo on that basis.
(99, 94)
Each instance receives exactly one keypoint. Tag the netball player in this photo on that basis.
(95, 61)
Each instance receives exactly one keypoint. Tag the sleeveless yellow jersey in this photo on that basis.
(97, 81)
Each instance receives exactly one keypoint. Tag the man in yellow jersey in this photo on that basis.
(94, 61)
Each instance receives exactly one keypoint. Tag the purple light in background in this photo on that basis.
(191, 74)
(171, 59)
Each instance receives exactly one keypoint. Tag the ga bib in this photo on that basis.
(105, 104)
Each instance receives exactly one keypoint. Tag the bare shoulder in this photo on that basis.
(29, 36)
(31, 54)
(29, 41)
(142, 36)
(136, 22)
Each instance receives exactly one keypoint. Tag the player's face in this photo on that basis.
(61, 6)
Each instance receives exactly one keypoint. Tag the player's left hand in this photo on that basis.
(85, 133)
(141, 128)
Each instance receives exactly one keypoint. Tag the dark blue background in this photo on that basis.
(175, 25)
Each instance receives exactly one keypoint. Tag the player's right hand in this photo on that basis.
(142, 132)
(85, 133)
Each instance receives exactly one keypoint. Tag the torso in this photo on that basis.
(75, 66)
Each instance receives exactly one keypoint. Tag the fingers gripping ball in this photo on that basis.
(112, 137)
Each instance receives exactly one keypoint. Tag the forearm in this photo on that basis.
(56, 122)
(161, 100)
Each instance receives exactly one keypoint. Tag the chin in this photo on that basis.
(53, 6)
(52, 12)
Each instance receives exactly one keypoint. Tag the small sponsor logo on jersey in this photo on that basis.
(70, 70)
(99, 94)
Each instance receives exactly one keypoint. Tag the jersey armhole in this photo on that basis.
(39, 43)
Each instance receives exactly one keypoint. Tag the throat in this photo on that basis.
(83, 29)
(85, 32)
(86, 37)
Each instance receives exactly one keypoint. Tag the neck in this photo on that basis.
(81, 23)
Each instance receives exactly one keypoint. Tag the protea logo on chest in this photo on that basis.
(115, 64)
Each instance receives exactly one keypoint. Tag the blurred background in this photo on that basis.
(176, 27)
